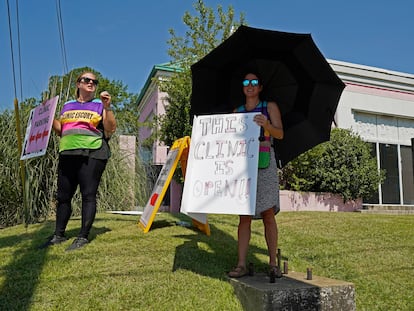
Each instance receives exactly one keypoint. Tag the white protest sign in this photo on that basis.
(222, 164)
(38, 129)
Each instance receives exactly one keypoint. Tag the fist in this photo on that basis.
(106, 98)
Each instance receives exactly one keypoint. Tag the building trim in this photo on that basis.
(155, 72)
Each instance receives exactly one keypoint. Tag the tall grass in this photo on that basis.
(124, 184)
(41, 178)
(177, 268)
(11, 199)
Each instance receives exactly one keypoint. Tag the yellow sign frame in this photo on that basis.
(178, 152)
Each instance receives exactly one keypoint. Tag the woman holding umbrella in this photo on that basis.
(267, 197)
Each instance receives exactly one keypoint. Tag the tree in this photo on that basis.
(205, 32)
(344, 165)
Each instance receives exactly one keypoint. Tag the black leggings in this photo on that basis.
(73, 171)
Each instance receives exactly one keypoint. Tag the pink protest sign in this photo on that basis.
(38, 129)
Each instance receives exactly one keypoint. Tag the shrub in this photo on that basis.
(343, 165)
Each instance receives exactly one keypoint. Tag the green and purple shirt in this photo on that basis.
(82, 128)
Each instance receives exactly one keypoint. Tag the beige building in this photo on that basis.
(378, 104)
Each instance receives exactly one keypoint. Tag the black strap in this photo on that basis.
(261, 137)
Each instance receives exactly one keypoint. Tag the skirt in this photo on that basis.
(267, 194)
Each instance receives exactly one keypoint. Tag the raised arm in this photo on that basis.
(108, 115)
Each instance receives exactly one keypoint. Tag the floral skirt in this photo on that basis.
(267, 195)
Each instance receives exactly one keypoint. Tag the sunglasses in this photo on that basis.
(87, 80)
(253, 82)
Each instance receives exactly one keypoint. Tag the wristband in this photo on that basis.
(108, 109)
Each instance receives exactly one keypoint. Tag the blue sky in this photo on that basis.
(124, 39)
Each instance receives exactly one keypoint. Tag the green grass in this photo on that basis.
(178, 268)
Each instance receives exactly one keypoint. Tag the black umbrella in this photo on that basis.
(294, 73)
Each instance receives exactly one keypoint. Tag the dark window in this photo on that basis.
(391, 185)
(407, 174)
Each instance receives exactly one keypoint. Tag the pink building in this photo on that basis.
(151, 103)
(376, 103)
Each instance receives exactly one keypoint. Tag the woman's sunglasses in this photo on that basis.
(87, 80)
(253, 82)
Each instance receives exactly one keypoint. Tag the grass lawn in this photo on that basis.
(174, 267)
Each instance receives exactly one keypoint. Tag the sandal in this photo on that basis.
(238, 272)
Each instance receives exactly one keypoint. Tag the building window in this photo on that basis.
(395, 171)
(407, 174)
(391, 186)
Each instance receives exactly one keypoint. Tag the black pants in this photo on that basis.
(74, 171)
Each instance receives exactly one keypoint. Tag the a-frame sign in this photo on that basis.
(178, 152)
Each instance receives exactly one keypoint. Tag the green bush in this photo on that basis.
(343, 165)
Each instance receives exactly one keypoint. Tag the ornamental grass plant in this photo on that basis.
(174, 267)
(121, 184)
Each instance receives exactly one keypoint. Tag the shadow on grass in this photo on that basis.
(20, 276)
(213, 255)
(159, 224)
(164, 223)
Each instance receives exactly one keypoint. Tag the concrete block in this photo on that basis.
(293, 292)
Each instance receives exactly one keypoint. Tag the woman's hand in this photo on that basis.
(109, 121)
(106, 99)
(261, 120)
(57, 127)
